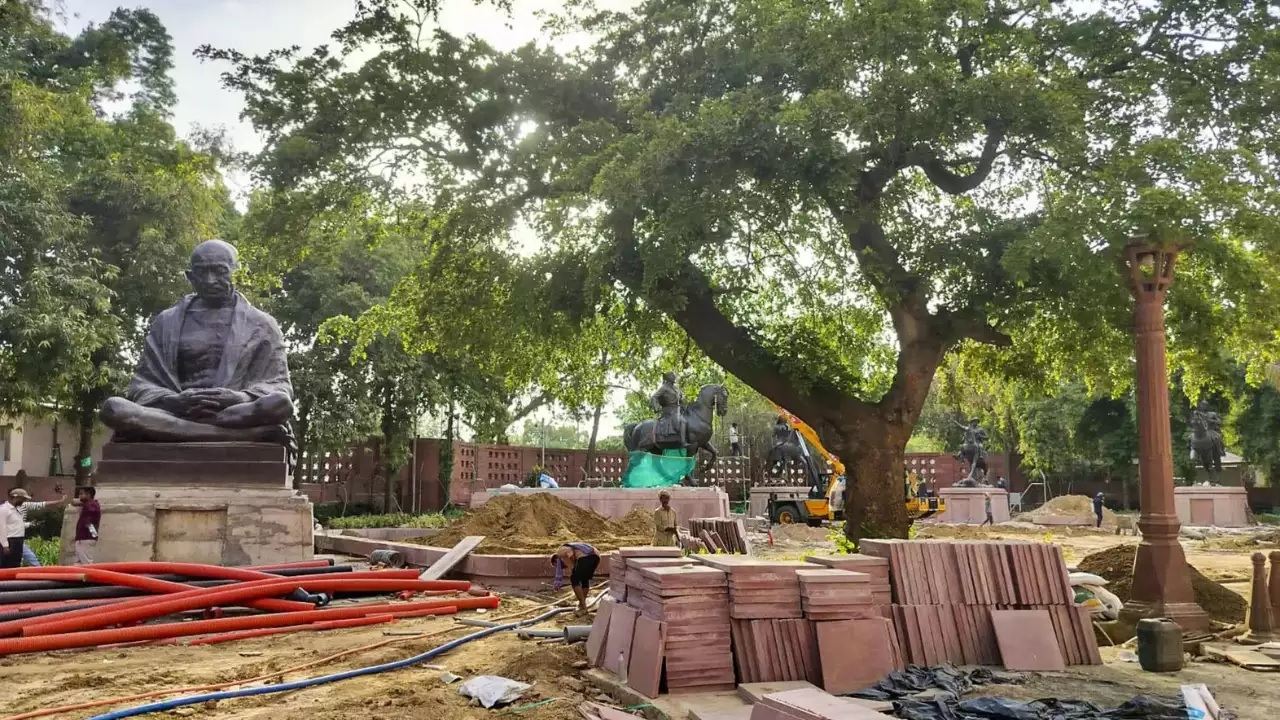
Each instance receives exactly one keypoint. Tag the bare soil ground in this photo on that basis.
(55, 679)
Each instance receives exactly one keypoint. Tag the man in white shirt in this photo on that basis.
(735, 441)
(13, 530)
(29, 555)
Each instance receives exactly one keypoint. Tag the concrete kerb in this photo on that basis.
(529, 572)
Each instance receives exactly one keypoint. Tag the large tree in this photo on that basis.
(120, 200)
(794, 181)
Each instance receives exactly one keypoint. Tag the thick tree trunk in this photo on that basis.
(874, 503)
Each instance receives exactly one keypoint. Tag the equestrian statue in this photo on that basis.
(679, 426)
(1206, 439)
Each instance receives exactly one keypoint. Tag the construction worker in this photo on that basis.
(581, 560)
(664, 522)
(986, 502)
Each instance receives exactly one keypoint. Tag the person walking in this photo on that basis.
(1097, 509)
(87, 525)
(581, 560)
(28, 553)
(664, 522)
(735, 441)
(986, 503)
(13, 529)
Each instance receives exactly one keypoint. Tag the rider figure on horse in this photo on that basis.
(971, 450)
(1211, 449)
(668, 402)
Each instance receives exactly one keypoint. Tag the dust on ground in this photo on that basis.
(539, 523)
(416, 692)
(1067, 506)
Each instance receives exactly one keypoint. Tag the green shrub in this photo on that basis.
(49, 551)
(325, 512)
(45, 523)
(393, 520)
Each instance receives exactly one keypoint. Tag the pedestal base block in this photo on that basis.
(1162, 581)
(216, 503)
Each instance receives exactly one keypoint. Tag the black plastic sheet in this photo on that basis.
(954, 683)
(916, 679)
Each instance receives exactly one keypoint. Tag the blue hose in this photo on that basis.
(323, 679)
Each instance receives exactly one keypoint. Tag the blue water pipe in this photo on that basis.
(323, 679)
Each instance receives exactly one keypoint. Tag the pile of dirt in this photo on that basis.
(538, 523)
(1073, 506)
(1115, 564)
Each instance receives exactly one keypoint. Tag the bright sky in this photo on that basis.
(258, 26)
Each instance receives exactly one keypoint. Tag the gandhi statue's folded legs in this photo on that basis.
(260, 420)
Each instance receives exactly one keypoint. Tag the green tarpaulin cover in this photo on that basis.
(645, 470)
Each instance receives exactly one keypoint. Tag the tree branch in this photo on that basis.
(952, 183)
(691, 304)
(523, 411)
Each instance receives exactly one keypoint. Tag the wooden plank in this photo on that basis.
(441, 567)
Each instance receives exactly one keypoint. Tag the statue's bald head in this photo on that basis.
(215, 251)
(213, 262)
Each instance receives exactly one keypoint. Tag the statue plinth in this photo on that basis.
(217, 503)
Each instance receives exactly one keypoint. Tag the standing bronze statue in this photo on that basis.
(1206, 439)
(214, 367)
(973, 453)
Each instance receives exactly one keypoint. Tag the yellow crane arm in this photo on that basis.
(810, 437)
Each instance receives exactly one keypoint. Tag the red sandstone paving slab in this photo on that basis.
(920, 573)
(853, 654)
(914, 633)
(1037, 575)
(754, 692)
(764, 712)
(622, 623)
(1062, 581)
(1075, 655)
(951, 633)
(963, 553)
(939, 574)
(1090, 641)
(810, 704)
(650, 552)
(1042, 573)
(791, 643)
(1010, 584)
(1053, 574)
(599, 634)
(1026, 640)
(685, 576)
(644, 674)
(809, 648)
(1022, 583)
(829, 577)
(968, 651)
(741, 713)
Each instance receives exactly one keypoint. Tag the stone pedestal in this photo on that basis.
(967, 505)
(1225, 507)
(216, 503)
(1161, 577)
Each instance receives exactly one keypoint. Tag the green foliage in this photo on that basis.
(536, 434)
(48, 550)
(99, 211)
(790, 180)
(1257, 427)
(837, 536)
(45, 523)
(393, 520)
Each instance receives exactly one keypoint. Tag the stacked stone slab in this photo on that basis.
(719, 535)
(944, 593)
(618, 566)
(876, 569)
(693, 601)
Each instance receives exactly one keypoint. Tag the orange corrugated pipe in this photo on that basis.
(149, 584)
(35, 574)
(156, 568)
(155, 607)
(13, 627)
(65, 641)
(264, 632)
(103, 702)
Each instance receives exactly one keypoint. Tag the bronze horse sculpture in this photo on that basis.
(697, 419)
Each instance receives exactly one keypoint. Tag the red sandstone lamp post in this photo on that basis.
(1161, 578)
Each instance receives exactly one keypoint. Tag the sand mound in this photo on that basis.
(538, 523)
(1068, 506)
(1116, 565)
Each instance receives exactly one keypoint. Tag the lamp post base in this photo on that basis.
(1162, 582)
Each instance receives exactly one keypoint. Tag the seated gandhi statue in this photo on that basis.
(213, 369)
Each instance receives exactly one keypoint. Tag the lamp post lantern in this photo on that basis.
(1161, 577)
